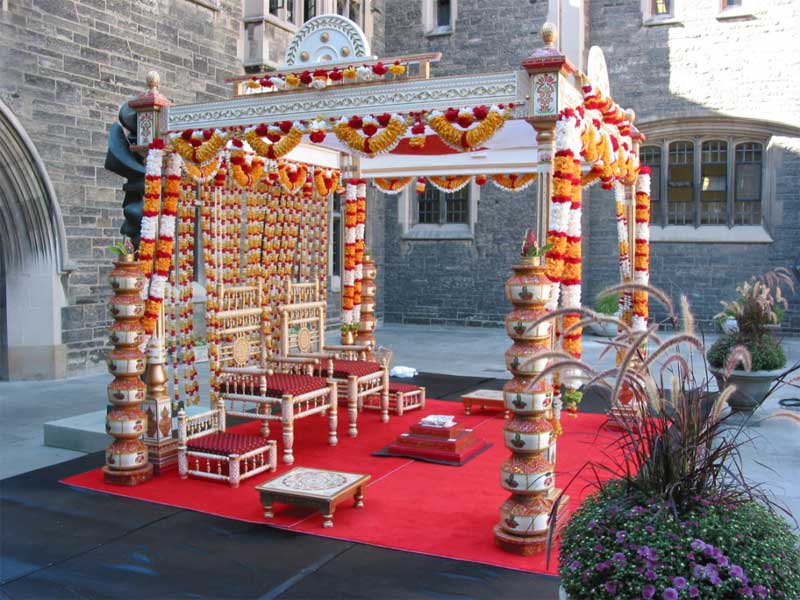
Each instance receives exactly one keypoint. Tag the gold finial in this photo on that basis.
(153, 80)
(630, 115)
(549, 34)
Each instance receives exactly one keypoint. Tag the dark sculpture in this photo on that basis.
(124, 161)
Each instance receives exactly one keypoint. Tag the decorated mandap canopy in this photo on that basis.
(264, 163)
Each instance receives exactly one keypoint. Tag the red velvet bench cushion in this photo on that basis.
(278, 384)
(342, 369)
(224, 443)
(402, 388)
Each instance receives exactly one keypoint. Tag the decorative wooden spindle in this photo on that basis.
(529, 474)
(366, 326)
(126, 458)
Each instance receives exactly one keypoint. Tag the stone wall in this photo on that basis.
(461, 282)
(65, 68)
(703, 66)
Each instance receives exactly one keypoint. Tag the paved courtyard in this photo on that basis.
(463, 351)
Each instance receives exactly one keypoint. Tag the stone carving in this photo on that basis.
(327, 39)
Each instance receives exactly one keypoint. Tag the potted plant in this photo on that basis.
(758, 308)
(672, 516)
(607, 305)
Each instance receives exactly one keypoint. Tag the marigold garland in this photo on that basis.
(392, 185)
(282, 139)
(625, 273)
(513, 182)
(449, 183)
(475, 126)
(349, 262)
(166, 244)
(325, 181)
(371, 135)
(292, 176)
(198, 147)
(151, 207)
(202, 174)
(642, 253)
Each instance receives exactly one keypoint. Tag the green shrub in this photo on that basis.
(607, 305)
(766, 352)
(618, 546)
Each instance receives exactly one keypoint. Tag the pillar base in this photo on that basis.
(163, 456)
(128, 478)
(529, 545)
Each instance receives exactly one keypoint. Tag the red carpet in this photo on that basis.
(409, 505)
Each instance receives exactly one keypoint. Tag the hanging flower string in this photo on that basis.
(349, 271)
(325, 181)
(361, 225)
(292, 176)
(166, 244)
(642, 254)
(151, 206)
(625, 272)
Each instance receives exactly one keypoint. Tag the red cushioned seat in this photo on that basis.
(342, 369)
(224, 443)
(402, 388)
(278, 384)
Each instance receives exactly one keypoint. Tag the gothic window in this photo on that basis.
(680, 184)
(662, 8)
(352, 9)
(443, 13)
(709, 183)
(438, 16)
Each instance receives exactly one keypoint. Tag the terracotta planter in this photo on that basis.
(751, 387)
(608, 330)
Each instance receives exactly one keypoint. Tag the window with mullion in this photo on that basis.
(440, 208)
(747, 184)
(651, 157)
(662, 8)
(714, 183)
(680, 184)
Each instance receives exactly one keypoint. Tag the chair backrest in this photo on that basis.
(297, 293)
(242, 325)
(302, 327)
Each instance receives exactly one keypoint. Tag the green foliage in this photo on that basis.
(607, 305)
(766, 352)
(621, 546)
(122, 248)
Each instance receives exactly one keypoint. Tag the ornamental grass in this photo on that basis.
(673, 515)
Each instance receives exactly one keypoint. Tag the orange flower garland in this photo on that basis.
(373, 134)
(292, 176)
(166, 244)
(202, 174)
(325, 181)
(642, 256)
(625, 272)
(513, 182)
(281, 139)
(198, 147)
(392, 185)
(152, 205)
(449, 183)
(349, 267)
(468, 128)
(361, 225)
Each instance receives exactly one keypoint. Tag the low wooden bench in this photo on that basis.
(485, 399)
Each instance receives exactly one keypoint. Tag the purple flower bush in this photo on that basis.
(718, 550)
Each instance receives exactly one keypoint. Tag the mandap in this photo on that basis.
(241, 188)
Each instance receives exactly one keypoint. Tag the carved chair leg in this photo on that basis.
(333, 419)
(352, 404)
(183, 464)
(287, 420)
(233, 470)
(385, 397)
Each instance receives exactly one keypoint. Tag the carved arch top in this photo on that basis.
(327, 39)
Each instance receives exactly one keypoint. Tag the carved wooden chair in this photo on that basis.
(254, 384)
(206, 450)
(302, 323)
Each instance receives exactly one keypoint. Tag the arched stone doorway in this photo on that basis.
(32, 258)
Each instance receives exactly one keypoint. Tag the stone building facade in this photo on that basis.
(66, 66)
(702, 74)
(705, 81)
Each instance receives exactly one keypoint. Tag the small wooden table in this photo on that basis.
(318, 488)
(485, 399)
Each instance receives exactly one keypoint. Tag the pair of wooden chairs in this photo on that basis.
(304, 378)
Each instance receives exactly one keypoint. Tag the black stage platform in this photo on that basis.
(60, 542)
